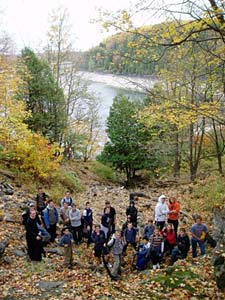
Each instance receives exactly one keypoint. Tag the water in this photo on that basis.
(106, 87)
(106, 94)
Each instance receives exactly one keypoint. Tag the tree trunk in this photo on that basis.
(177, 154)
(218, 152)
(191, 165)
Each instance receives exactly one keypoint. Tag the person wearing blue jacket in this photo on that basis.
(66, 242)
(130, 236)
(51, 218)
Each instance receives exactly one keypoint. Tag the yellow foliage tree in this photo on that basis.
(24, 150)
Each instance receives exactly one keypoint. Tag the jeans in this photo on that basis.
(160, 224)
(194, 244)
(117, 264)
(155, 253)
(77, 234)
(52, 231)
(176, 254)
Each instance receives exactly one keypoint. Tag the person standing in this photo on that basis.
(64, 214)
(33, 237)
(66, 242)
(106, 222)
(149, 229)
(161, 211)
(173, 214)
(67, 198)
(51, 218)
(75, 220)
(41, 200)
(198, 232)
(112, 215)
(129, 235)
(26, 214)
(156, 248)
(132, 212)
(87, 222)
(98, 238)
(116, 244)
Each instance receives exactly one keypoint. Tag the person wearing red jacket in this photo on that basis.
(170, 237)
(174, 209)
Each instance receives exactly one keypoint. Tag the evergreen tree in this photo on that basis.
(127, 149)
(44, 99)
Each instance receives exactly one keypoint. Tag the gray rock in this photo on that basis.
(49, 285)
(3, 245)
(8, 260)
(56, 250)
(19, 253)
(218, 259)
(9, 218)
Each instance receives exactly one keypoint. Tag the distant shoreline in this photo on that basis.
(135, 83)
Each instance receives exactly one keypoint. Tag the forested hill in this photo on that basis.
(117, 54)
(129, 52)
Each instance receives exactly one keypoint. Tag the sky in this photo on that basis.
(27, 21)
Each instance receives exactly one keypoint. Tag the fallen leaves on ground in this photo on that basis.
(189, 279)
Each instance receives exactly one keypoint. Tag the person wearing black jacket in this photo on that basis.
(33, 237)
(98, 238)
(182, 248)
(112, 215)
(87, 222)
(41, 200)
(106, 222)
(26, 214)
(132, 212)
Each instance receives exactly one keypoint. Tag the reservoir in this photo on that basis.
(105, 87)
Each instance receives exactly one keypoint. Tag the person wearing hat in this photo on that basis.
(161, 211)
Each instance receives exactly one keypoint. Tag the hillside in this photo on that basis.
(190, 279)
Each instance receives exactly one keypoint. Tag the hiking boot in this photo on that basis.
(154, 267)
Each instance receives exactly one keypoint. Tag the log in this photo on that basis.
(186, 214)
(7, 174)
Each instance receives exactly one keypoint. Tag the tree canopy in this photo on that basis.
(43, 97)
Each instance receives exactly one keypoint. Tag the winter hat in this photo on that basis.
(162, 197)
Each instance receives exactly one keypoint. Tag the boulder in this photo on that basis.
(49, 285)
(3, 246)
(19, 253)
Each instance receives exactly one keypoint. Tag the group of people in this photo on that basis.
(159, 238)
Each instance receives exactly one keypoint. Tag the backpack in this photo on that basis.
(69, 204)
(210, 240)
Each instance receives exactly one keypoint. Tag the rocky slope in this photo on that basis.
(20, 279)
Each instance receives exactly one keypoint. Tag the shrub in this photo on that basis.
(105, 172)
